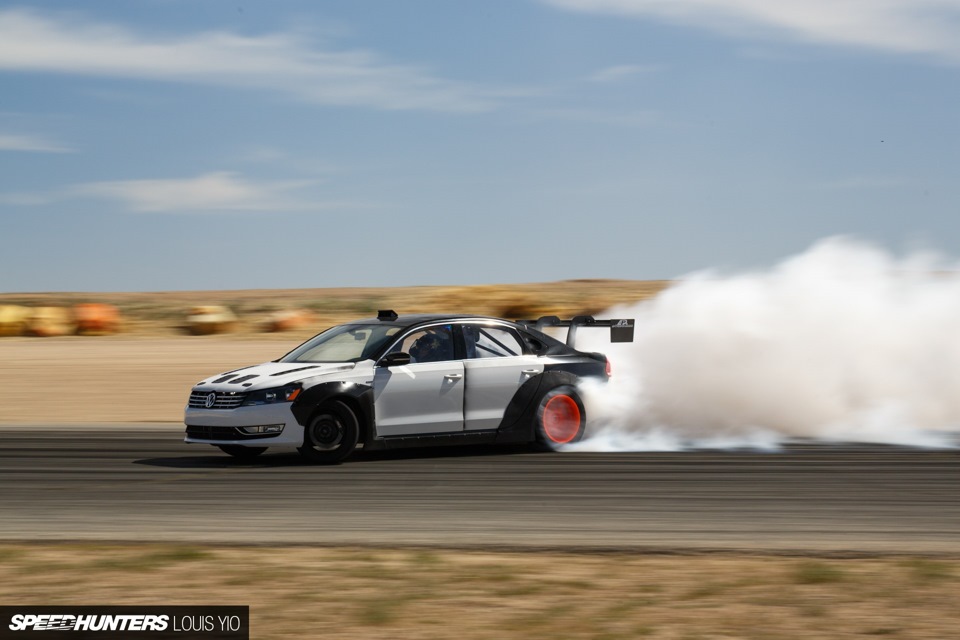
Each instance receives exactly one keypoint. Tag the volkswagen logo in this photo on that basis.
(211, 400)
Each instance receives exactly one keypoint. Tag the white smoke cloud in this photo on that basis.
(844, 342)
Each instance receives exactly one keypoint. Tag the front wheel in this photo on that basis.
(240, 452)
(331, 435)
(560, 417)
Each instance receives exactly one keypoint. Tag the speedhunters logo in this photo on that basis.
(225, 623)
(67, 622)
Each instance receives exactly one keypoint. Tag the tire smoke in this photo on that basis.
(844, 342)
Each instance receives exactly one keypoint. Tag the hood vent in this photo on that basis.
(244, 378)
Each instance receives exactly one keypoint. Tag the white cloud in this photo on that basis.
(26, 142)
(211, 192)
(214, 192)
(280, 62)
(621, 72)
(906, 26)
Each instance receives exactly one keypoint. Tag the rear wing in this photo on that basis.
(621, 330)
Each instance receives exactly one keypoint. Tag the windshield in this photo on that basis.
(346, 343)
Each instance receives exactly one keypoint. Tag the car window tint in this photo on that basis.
(491, 342)
(434, 344)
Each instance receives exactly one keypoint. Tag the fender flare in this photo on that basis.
(359, 397)
(518, 424)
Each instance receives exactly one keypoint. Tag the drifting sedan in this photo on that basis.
(395, 381)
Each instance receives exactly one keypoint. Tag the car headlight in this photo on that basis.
(286, 393)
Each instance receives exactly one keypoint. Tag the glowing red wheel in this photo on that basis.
(561, 419)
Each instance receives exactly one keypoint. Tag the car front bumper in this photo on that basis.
(232, 426)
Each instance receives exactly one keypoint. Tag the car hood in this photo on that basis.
(271, 374)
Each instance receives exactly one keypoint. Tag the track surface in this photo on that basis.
(140, 482)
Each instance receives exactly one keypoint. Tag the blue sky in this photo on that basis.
(174, 144)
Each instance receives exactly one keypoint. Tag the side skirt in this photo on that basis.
(431, 440)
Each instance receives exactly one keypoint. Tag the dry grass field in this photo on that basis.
(392, 594)
(144, 373)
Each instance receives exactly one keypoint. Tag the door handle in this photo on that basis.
(453, 376)
(530, 372)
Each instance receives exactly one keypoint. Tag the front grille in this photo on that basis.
(225, 400)
(224, 433)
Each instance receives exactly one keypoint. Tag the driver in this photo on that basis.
(433, 346)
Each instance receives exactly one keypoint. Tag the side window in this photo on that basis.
(491, 342)
(428, 345)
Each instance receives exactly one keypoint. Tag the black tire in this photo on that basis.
(560, 418)
(241, 452)
(331, 435)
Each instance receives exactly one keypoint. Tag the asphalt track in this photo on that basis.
(140, 482)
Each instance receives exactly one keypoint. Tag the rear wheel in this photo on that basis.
(331, 435)
(560, 417)
(243, 453)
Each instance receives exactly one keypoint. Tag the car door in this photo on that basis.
(425, 396)
(495, 367)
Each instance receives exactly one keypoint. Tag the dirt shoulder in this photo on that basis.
(117, 378)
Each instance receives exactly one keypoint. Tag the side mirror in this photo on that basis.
(395, 359)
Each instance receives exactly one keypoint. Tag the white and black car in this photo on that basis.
(405, 381)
